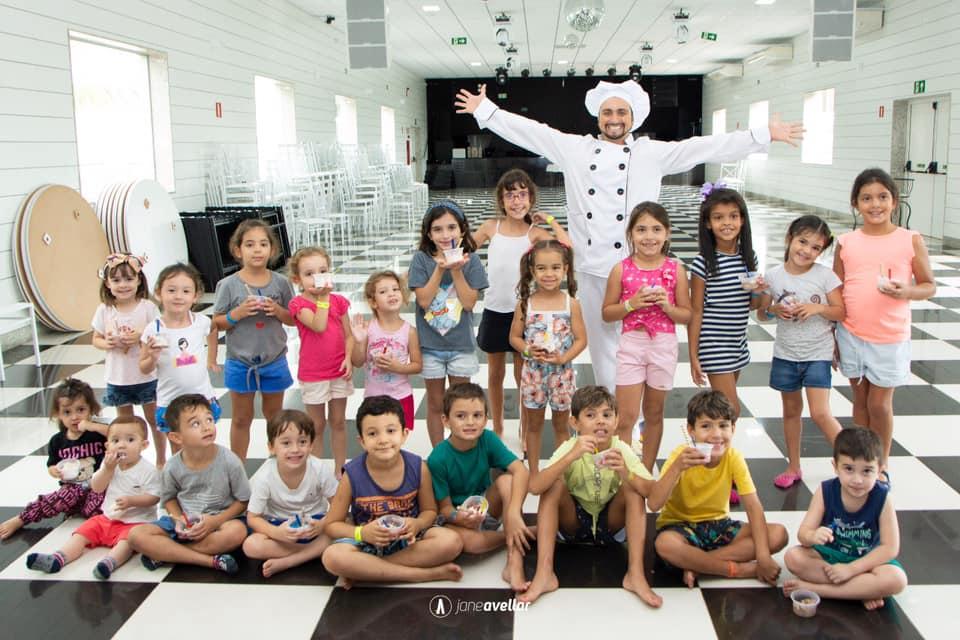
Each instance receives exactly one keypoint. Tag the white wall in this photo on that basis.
(917, 42)
(214, 49)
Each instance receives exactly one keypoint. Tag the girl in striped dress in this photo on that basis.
(723, 290)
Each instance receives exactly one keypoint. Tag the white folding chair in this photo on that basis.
(11, 319)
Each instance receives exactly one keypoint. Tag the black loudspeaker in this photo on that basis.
(208, 238)
(832, 30)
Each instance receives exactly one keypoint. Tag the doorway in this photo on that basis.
(920, 149)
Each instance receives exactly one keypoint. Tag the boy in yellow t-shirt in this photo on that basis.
(694, 531)
(593, 486)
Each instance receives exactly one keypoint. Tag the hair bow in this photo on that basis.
(116, 259)
(708, 188)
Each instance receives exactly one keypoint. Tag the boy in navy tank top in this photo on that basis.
(389, 495)
(850, 538)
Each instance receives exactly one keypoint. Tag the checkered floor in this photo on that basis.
(307, 602)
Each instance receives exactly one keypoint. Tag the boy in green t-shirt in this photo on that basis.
(694, 531)
(593, 486)
(461, 465)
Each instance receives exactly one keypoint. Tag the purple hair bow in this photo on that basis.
(708, 188)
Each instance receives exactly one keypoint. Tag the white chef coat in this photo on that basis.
(605, 180)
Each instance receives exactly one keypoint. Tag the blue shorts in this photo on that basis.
(437, 365)
(162, 411)
(787, 375)
(277, 522)
(273, 377)
(884, 365)
(120, 395)
(585, 533)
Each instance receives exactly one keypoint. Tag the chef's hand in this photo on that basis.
(467, 102)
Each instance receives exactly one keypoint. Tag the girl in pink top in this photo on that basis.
(882, 267)
(387, 347)
(325, 371)
(648, 292)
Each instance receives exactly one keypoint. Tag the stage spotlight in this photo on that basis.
(635, 72)
(612, 71)
(525, 73)
(571, 72)
(589, 71)
(546, 73)
(501, 76)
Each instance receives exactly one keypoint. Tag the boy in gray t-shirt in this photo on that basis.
(205, 490)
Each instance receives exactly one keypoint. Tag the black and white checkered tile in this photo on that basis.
(306, 602)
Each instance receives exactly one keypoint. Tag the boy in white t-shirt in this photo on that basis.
(289, 497)
(132, 487)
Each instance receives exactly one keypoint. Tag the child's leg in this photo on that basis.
(159, 438)
(880, 410)
(560, 430)
(534, 437)
(556, 511)
(337, 408)
(92, 502)
(435, 388)
(732, 560)
(116, 557)
(271, 404)
(280, 556)
(628, 409)
(241, 404)
(726, 383)
(792, 427)
(66, 499)
(860, 388)
(352, 564)
(318, 413)
(53, 562)
(499, 496)
(496, 370)
(154, 543)
(653, 401)
(437, 547)
(870, 587)
(627, 509)
(819, 401)
(517, 370)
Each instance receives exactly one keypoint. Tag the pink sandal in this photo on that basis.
(787, 479)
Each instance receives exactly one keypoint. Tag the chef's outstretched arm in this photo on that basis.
(531, 135)
(727, 147)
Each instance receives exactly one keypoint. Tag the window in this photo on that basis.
(388, 133)
(346, 120)
(121, 105)
(759, 118)
(276, 119)
(719, 122)
(817, 145)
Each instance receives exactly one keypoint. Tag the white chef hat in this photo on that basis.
(631, 92)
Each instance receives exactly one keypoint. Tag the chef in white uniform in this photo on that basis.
(606, 176)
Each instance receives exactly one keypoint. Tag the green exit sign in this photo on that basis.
(458, 40)
(707, 35)
(920, 86)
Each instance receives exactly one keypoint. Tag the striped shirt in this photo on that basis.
(726, 308)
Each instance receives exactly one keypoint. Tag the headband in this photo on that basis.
(450, 206)
(116, 259)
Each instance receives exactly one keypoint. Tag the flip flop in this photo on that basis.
(787, 479)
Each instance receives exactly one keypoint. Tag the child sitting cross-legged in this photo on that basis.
(132, 488)
(205, 491)
(389, 495)
(288, 497)
(461, 466)
(593, 486)
(694, 531)
(850, 538)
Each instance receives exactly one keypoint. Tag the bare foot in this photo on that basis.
(273, 566)
(870, 605)
(347, 584)
(449, 571)
(513, 573)
(789, 586)
(689, 578)
(539, 586)
(10, 527)
(638, 585)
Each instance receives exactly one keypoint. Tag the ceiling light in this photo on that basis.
(584, 15)
(671, 61)
(646, 60)
(561, 62)
(764, 1)
(476, 64)
(430, 8)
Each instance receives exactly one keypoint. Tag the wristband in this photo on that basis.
(358, 534)
(770, 316)
(230, 320)
(627, 306)
(526, 354)
(550, 219)
(323, 305)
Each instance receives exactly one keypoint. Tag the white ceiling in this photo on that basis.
(420, 41)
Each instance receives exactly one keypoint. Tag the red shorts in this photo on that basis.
(101, 531)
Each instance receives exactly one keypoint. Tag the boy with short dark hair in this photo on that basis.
(461, 466)
(593, 486)
(850, 538)
(205, 491)
(694, 531)
(389, 494)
